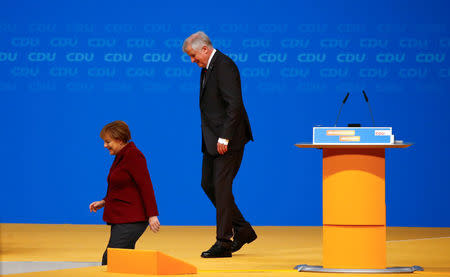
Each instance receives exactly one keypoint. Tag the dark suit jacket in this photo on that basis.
(223, 114)
(130, 196)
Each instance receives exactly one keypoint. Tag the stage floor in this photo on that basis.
(275, 253)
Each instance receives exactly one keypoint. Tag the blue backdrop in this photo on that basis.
(67, 69)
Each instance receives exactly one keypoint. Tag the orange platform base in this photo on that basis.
(146, 262)
(354, 246)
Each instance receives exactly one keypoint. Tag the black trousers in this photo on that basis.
(124, 235)
(218, 173)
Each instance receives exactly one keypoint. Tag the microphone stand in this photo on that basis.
(340, 109)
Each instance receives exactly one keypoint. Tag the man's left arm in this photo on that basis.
(230, 89)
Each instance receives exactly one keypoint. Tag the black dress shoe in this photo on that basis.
(237, 244)
(217, 251)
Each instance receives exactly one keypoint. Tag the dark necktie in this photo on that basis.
(203, 77)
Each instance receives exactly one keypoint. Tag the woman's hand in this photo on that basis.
(154, 223)
(97, 205)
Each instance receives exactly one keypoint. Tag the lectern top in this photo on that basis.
(321, 146)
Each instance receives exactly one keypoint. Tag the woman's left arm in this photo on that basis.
(137, 166)
(154, 223)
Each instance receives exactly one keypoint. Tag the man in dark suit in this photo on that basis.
(225, 131)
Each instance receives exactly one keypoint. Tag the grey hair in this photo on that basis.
(197, 41)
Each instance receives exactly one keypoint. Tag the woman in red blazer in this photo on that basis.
(129, 203)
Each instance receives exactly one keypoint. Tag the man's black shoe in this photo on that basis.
(237, 244)
(217, 251)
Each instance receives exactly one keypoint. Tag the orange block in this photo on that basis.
(354, 247)
(146, 262)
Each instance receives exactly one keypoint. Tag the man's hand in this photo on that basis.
(222, 148)
(97, 205)
(154, 223)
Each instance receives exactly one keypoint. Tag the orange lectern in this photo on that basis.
(354, 209)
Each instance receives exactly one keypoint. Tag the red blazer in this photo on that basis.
(130, 196)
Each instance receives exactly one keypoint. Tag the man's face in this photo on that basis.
(200, 57)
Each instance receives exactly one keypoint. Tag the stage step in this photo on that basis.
(146, 262)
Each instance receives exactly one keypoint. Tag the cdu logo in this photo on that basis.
(222, 43)
(373, 72)
(234, 28)
(101, 72)
(63, 71)
(388, 87)
(391, 28)
(312, 28)
(157, 57)
(430, 28)
(80, 28)
(24, 42)
(120, 28)
(117, 86)
(390, 58)
(334, 43)
(190, 28)
(256, 43)
(292, 72)
(274, 87)
(256, 72)
(413, 73)
(140, 43)
(273, 28)
(173, 43)
(140, 72)
(101, 42)
(311, 57)
(178, 72)
(156, 87)
(351, 28)
(311, 86)
(8, 57)
(444, 42)
(157, 28)
(41, 57)
(187, 87)
(430, 58)
(350, 58)
(444, 73)
(8, 28)
(295, 43)
(348, 86)
(79, 86)
(373, 43)
(63, 42)
(334, 72)
(272, 57)
(42, 28)
(414, 43)
(25, 71)
(118, 57)
(237, 57)
(42, 86)
(79, 57)
(7, 86)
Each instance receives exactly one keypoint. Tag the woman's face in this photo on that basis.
(113, 145)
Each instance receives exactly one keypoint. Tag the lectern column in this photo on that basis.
(354, 209)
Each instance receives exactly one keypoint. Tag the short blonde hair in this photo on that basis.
(117, 130)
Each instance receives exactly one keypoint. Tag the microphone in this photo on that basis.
(370, 109)
(343, 102)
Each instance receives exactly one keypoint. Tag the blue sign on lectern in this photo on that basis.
(353, 135)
